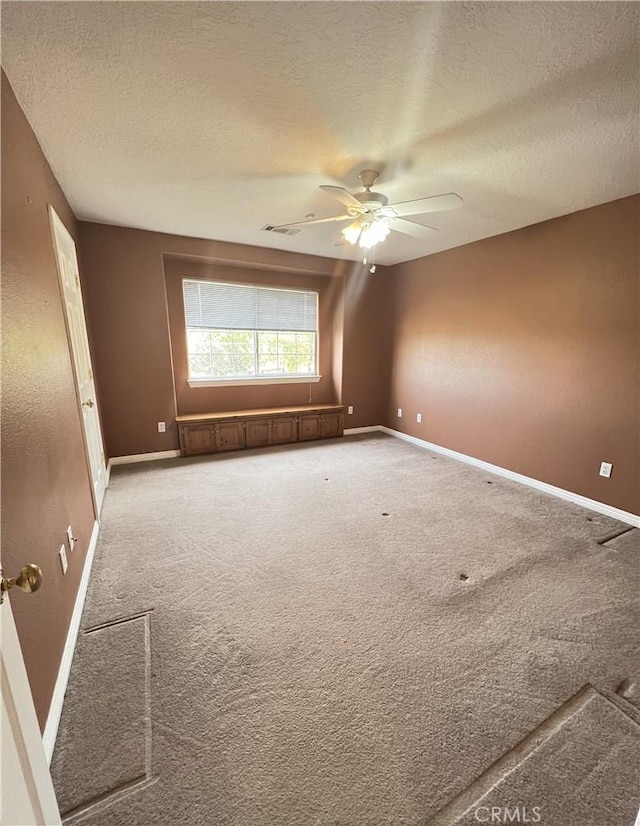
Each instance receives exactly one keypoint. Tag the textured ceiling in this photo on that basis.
(214, 119)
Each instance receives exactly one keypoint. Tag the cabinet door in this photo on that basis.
(198, 439)
(309, 427)
(330, 425)
(229, 435)
(257, 432)
(284, 429)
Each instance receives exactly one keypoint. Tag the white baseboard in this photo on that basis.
(351, 431)
(57, 700)
(569, 496)
(142, 457)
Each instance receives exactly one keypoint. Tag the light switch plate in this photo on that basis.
(63, 558)
(71, 538)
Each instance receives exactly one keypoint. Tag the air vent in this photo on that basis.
(281, 230)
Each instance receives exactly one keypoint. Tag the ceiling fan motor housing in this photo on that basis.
(372, 200)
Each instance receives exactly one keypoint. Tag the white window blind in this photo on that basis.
(216, 306)
(242, 333)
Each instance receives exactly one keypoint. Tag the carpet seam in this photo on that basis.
(108, 798)
(608, 537)
(118, 621)
(508, 762)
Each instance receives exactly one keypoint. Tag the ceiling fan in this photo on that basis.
(372, 217)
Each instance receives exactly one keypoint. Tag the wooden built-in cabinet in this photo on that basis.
(274, 431)
(320, 426)
(213, 432)
(208, 438)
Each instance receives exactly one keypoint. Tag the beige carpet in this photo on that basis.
(353, 632)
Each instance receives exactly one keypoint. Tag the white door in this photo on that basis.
(26, 791)
(67, 261)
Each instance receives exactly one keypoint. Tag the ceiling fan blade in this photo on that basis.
(437, 203)
(343, 195)
(412, 228)
(315, 221)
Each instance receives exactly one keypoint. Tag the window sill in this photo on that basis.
(254, 381)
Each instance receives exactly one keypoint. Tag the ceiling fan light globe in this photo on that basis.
(374, 233)
(352, 233)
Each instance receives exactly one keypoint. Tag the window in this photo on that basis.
(241, 333)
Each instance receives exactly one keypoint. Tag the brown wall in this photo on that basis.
(45, 484)
(128, 275)
(368, 345)
(523, 350)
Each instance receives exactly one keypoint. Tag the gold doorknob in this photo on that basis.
(88, 403)
(29, 579)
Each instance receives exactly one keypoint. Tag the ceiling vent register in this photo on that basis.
(281, 230)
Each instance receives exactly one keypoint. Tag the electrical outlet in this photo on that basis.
(419, 418)
(605, 469)
(71, 538)
(63, 558)
(350, 409)
(399, 412)
(162, 427)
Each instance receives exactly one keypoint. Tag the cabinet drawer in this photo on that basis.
(230, 435)
(198, 439)
(331, 425)
(257, 432)
(309, 427)
(283, 430)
